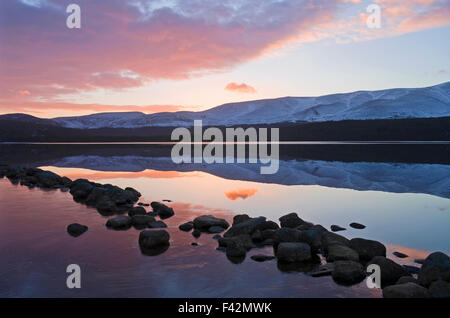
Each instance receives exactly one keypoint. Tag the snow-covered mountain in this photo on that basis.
(429, 102)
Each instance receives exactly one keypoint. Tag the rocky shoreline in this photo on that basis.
(298, 245)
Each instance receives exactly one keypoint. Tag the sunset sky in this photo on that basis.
(169, 55)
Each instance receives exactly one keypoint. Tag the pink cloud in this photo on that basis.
(240, 194)
(241, 88)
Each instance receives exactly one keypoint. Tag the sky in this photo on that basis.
(172, 55)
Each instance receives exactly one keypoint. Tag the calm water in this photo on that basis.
(400, 193)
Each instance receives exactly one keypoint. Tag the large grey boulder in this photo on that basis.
(149, 239)
(293, 252)
(348, 272)
(391, 272)
(367, 249)
(436, 267)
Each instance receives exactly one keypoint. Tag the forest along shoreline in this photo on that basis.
(297, 244)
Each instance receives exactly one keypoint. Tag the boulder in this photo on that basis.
(400, 255)
(312, 237)
(96, 194)
(390, 270)
(367, 249)
(153, 238)
(240, 218)
(291, 220)
(156, 225)
(105, 206)
(244, 239)
(337, 252)
(357, 226)
(268, 234)
(412, 269)
(293, 252)
(337, 228)
(196, 233)
(215, 229)
(76, 229)
(80, 189)
(163, 210)
(286, 235)
(262, 258)
(245, 227)
(205, 222)
(186, 227)
(407, 290)
(330, 238)
(236, 248)
(348, 273)
(142, 220)
(436, 267)
(267, 225)
(48, 179)
(257, 236)
(440, 289)
(119, 223)
(138, 210)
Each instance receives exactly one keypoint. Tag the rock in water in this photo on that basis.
(137, 211)
(186, 227)
(291, 220)
(348, 273)
(196, 233)
(76, 229)
(240, 218)
(236, 248)
(337, 228)
(215, 229)
(157, 225)
(341, 253)
(440, 289)
(246, 227)
(142, 220)
(367, 249)
(390, 270)
(436, 267)
(357, 226)
(400, 255)
(407, 290)
(262, 258)
(152, 239)
(293, 252)
(205, 222)
(119, 223)
(330, 238)
(163, 210)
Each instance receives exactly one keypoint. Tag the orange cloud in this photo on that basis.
(240, 194)
(241, 88)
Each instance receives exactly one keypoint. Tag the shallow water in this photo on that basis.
(408, 214)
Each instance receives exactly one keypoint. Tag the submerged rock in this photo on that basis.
(205, 222)
(142, 220)
(119, 223)
(367, 249)
(407, 290)
(337, 228)
(163, 210)
(137, 211)
(390, 270)
(436, 267)
(76, 229)
(357, 226)
(293, 252)
(348, 272)
(186, 227)
(400, 255)
(149, 239)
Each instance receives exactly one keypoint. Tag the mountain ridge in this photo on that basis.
(397, 103)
